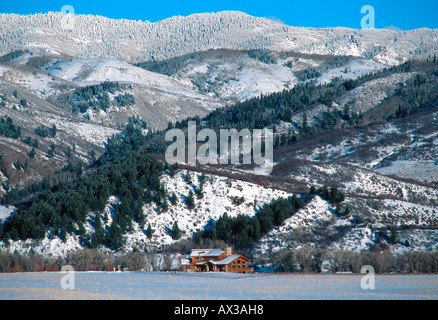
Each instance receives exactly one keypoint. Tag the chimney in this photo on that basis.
(228, 251)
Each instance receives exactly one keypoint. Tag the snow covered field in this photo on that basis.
(214, 286)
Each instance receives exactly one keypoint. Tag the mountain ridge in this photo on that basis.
(92, 36)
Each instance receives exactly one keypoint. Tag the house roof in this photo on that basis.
(198, 252)
(226, 260)
(185, 262)
(206, 252)
(213, 253)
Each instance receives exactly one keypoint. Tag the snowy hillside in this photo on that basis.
(402, 149)
(159, 99)
(235, 76)
(218, 199)
(351, 71)
(94, 71)
(317, 226)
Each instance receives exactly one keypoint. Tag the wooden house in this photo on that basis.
(216, 260)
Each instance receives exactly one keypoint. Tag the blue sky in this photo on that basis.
(312, 13)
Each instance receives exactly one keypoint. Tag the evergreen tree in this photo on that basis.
(305, 129)
(164, 204)
(256, 229)
(173, 169)
(115, 236)
(98, 232)
(81, 229)
(333, 197)
(14, 234)
(188, 178)
(149, 231)
(148, 196)
(202, 179)
(197, 238)
(139, 215)
(244, 240)
(176, 232)
(213, 233)
(325, 193)
(32, 153)
(201, 183)
(266, 218)
(54, 131)
(340, 198)
(190, 200)
(200, 191)
(129, 224)
(346, 211)
(173, 199)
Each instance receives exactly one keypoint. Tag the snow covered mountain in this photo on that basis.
(135, 41)
(183, 67)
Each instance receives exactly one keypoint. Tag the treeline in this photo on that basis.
(306, 260)
(171, 66)
(13, 55)
(316, 260)
(63, 209)
(80, 260)
(262, 55)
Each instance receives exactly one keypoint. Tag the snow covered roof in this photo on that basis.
(224, 261)
(227, 260)
(206, 252)
(185, 261)
(213, 253)
(198, 252)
